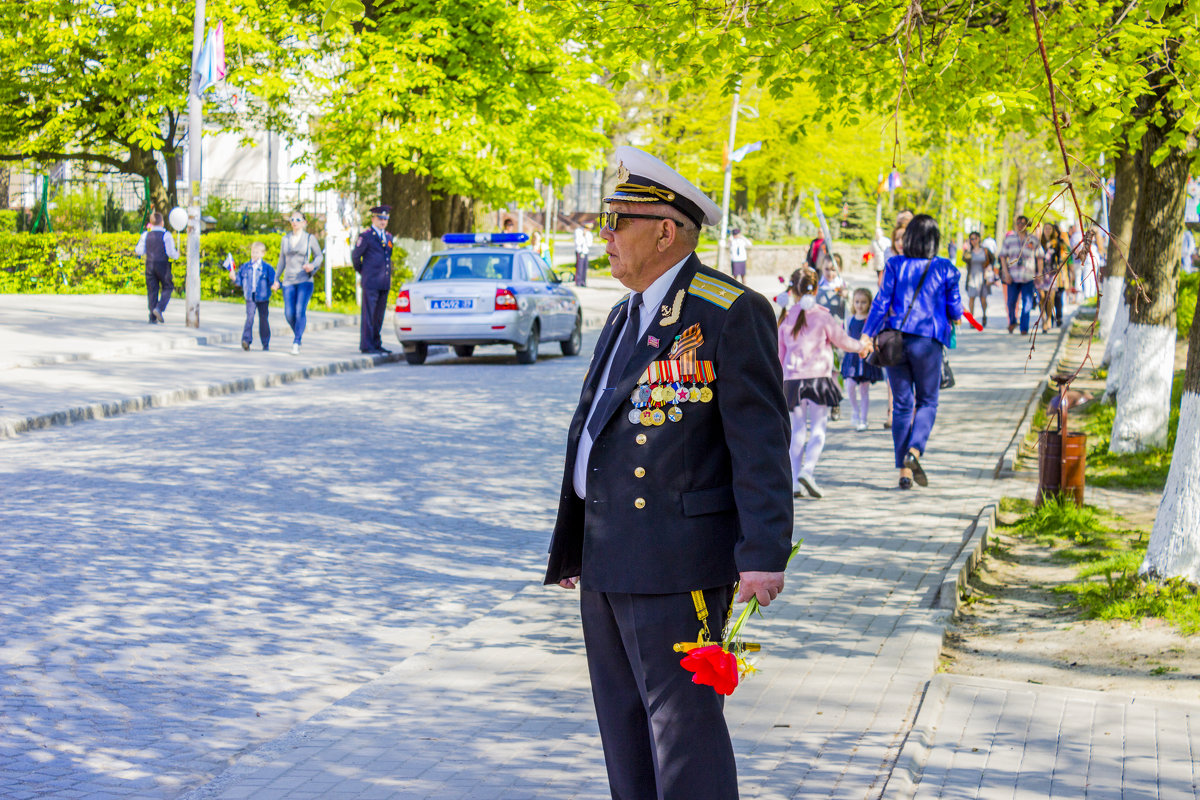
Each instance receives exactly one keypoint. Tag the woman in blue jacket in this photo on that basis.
(930, 286)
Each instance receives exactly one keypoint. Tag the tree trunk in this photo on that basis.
(1002, 203)
(1021, 193)
(1120, 241)
(1148, 360)
(410, 223)
(1174, 548)
(172, 162)
(451, 214)
(5, 176)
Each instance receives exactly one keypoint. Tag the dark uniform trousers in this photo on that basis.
(372, 258)
(670, 509)
(159, 285)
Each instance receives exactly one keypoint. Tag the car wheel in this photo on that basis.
(572, 346)
(529, 353)
(417, 355)
(464, 350)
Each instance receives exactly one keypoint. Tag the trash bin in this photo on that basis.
(1062, 455)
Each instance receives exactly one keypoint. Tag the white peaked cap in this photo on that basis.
(642, 178)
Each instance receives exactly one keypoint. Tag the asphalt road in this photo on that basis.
(185, 584)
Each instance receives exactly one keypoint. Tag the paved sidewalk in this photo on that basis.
(69, 358)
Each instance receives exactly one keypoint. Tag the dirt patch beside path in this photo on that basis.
(1015, 627)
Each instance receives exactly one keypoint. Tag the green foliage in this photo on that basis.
(8, 220)
(1059, 518)
(1185, 302)
(1108, 586)
(478, 96)
(78, 208)
(108, 84)
(84, 263)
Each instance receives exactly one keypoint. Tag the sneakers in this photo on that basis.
(809, 484)
(860, 427)
(296, 349)
(245, 345)
(158, 317)
(835, 413)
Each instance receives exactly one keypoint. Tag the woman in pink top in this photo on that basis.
(806, 331)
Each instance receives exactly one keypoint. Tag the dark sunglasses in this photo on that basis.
(609, 219)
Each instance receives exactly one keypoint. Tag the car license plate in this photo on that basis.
(451, 304)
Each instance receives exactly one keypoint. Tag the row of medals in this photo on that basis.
(648, 401)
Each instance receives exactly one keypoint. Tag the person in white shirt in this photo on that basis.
(738, 245)
(157, 246)
(583, 243)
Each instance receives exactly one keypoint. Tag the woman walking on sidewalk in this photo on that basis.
(919, 298)
(806, 331)
(980, 273)
(299, 258)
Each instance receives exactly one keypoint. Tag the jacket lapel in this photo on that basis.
(643, 352)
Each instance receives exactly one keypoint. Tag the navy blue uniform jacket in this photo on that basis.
(714, 488)
(373, 259)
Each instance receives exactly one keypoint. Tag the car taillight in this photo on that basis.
(403, 303)
(505, 300)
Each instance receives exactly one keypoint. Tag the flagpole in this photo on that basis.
(191, 283)
(722, 252)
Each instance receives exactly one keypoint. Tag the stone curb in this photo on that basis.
(914, 753)
(14, 426)
(949, 597)
(177, 343)
(1009, 456)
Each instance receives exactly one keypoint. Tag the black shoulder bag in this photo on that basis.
(889, 342)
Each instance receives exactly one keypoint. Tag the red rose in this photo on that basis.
(713, 667)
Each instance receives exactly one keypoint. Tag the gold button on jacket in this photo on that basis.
(639, 473)
(639, 503)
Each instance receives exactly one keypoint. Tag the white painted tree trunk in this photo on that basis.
(1112, 297)
(1113, 348)
(1144, 393)
(1174, 549)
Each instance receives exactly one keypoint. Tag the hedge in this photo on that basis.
(104, 263)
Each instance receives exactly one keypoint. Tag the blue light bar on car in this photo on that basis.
(485, 238)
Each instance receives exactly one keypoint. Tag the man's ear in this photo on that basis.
(668, 233)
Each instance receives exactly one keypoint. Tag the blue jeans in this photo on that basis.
(264, 327)
(295, 306)
(1025, 290)
(917, 379)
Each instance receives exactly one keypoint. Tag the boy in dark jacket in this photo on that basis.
(257, 279)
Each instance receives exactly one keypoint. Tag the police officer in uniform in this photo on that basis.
(372, 258)
(158, 247)
(676, 483)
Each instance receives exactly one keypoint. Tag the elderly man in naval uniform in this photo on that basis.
(676, 486)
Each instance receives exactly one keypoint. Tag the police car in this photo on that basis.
(478, 291)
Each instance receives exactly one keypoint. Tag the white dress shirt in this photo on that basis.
(652, 298)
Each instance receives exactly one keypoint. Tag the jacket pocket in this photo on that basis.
(708, 501)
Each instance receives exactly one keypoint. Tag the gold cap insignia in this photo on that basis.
(622, 172)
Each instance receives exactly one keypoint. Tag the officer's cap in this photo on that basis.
(644, 179)
(383, 212)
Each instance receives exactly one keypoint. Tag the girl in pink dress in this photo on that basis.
(806, 332)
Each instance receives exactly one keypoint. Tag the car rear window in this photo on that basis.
(468, 266)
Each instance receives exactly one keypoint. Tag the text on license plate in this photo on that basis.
(450, 304)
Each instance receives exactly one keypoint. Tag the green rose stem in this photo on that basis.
(752, 608)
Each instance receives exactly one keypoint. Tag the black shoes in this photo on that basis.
(912, 462)
(905, 483)
(245, 345)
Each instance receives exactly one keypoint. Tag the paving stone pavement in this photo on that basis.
(331, 589)
(977, 737)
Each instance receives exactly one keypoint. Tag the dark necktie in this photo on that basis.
(620, 360)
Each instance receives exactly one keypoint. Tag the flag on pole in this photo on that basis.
(890, 183)
(744, 151)
(823, 225)
(211, 64)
